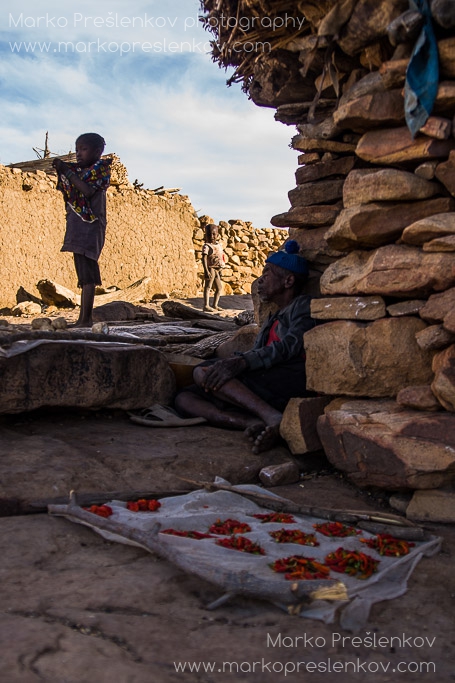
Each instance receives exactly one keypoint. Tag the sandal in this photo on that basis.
(163, 416)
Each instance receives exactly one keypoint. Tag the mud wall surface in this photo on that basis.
(148, 235)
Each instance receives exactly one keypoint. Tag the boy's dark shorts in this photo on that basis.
(275, 385)
(87, 270)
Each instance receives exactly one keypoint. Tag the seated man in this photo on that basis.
(250, 390)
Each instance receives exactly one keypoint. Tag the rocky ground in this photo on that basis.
(76, 608)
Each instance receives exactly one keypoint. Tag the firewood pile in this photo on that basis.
(373, 211)
(119, 174)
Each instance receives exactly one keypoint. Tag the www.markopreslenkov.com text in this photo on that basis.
(265, 666)
(126, 47)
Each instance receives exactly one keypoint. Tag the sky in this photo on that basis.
(140, 74)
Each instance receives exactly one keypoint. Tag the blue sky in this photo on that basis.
(139, 74)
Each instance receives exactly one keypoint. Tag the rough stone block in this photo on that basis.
(363, 186)
(426, 229)
(389, 448)
(394, 270)
(358, 359)
(432, 506)
(378, 223)
(443, 386)
(438, 305)
(348, 308)
(298, 426)
(418, 398)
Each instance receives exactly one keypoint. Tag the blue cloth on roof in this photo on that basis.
(422, 75)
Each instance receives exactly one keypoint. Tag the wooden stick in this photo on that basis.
(10, 507)
(284, 505)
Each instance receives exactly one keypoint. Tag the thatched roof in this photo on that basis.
(248, 33)
(238, 26)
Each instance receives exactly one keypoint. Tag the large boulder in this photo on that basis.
(85, 375)
(377, 444)
(393, 270)
(357, 359)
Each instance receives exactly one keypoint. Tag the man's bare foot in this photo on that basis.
(267, 439)
(208, 309)
(253, 431)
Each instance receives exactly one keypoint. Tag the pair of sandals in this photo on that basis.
(163, 416)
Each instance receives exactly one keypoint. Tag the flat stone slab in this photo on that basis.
(84, 375)
(46, 454)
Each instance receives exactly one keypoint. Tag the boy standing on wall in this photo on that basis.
(213, 259)
(84, 186)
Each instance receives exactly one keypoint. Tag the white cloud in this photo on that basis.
(170, 116)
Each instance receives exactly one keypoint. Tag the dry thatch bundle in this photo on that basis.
(245, 30)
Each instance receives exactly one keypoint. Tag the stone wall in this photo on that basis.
(148, 235)
(246, 249)
(373, 211)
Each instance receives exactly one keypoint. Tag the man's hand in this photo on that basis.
(222, 371)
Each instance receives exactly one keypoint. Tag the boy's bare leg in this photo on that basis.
(207, 288)
(87, 300)
(218, 289)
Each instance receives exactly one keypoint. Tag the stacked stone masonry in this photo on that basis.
(373, 211)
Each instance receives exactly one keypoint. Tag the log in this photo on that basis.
(369, 22)
(174, 309)
(11, 507)
(325, 130)
(443, 12)
(446, 50)
(396, 146)
(203, 349)
(405, 28)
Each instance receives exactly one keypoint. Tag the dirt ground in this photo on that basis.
(77, 609)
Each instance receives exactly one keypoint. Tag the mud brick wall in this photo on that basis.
(148, 235)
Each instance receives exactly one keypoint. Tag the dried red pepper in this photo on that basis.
(277, 517)
(298, 567)
(335, 529)
(352, 562)
(228, 527)
(385, 544)
(198, 535)
(143, 505)
(100, 510)
(241, 543)
(293, 536)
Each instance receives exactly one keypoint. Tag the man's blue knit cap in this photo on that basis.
(289, 259)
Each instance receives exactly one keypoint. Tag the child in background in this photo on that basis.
(84, 186)
(213, 259)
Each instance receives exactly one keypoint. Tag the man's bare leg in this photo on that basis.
(196, 406)
(264, 433)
